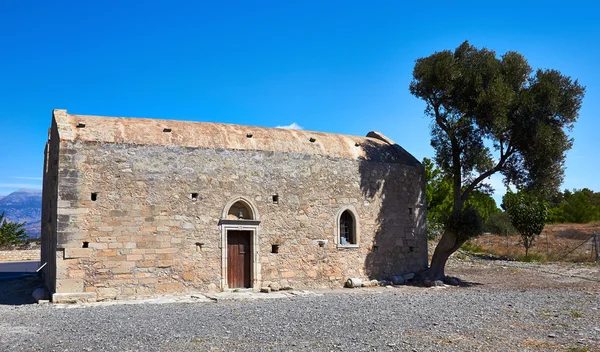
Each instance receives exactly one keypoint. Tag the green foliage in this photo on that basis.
(472, 247)
(484, 203)
(440, 201)
(499, 224)
(438, 190)
(579, 206)
(467, 226)
(527, 214)
(11, 233)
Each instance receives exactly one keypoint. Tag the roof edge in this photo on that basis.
(402, 153)
(150, 131)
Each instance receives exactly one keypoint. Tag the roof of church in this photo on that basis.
(144, 131)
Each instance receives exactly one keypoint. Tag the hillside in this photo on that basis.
(24, 206)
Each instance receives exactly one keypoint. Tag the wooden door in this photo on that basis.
(238, 259)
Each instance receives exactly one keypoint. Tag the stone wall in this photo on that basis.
(19, 255)
(142, 231)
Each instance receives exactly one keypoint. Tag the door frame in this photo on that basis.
(241, 225)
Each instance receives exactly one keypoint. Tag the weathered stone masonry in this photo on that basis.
(135, 207)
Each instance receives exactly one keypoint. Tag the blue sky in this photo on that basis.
(333, 66)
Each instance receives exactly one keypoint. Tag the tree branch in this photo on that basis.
(490, 172)
(457, 174)
(443, 123)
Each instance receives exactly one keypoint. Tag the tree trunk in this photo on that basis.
(448, 244)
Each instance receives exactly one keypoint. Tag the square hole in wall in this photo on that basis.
(409, 211)
(275, 199)
(85, 244)
(194, 196)
(94, 196)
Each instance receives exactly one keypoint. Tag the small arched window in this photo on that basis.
(347, 228)
(240, 211)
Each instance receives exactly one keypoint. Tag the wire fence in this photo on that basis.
(589, 245)
(563, 244)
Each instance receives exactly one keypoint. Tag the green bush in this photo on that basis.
(531, 257)
(472, 247)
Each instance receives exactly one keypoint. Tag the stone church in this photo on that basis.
(136, 207)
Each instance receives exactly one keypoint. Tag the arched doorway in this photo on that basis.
(239, 245)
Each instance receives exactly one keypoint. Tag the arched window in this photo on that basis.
(347, 229)
(240, 211)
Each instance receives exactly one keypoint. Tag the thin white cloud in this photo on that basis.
(27, 178)
(293, 126)
(20, 185)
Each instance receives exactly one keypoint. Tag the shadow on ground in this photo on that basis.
(17, 291)
(489, 257)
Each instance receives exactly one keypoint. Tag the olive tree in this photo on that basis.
(493, 115)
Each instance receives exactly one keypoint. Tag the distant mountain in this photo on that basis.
(24, 206)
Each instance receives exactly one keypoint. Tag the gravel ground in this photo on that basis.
(507, 307)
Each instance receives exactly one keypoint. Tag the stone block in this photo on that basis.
(129, 245)
(104, 293)
(164, 263)
(72, 211)
(146, 263)
(121, 270)
(69, 285)
(143, 291)
(76, 274)
(172, 287)
(106, 253)
(63, 204)
(107, 239)
(288, 274)
(81, 297)
(96, 245)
